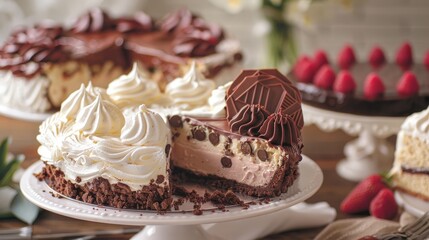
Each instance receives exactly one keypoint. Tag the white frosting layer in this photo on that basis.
(133, 89)
(91, 139)
(24, 94)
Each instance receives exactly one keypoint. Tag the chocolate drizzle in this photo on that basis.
(95, 20)
(248, 120)
(280, 129)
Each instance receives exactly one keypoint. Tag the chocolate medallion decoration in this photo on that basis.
(267, 88)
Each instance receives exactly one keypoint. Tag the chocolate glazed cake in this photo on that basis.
(46, 63)
(349, 87)
(255, 150)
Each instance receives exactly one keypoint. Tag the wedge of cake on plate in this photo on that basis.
(112, 147)
(411, 167)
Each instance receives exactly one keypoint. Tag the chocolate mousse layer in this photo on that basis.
(206, 151)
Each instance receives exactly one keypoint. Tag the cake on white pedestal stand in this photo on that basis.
(172, 225)
(368, 154)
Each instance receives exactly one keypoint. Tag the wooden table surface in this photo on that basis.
(333, 190)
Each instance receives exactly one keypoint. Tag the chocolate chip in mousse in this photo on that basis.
(160, 179)
(262, 155)
(214, 138)
(78, 179)
(167, 149)
(175, 121)
(226, 162)
(246, 148)
(199, 134)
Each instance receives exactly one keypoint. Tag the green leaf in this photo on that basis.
(23, 209)
(3, 152)
(6, 173)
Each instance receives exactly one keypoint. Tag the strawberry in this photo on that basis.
(376, 57)
(426, 60)
(344, 82)
(359, 199)
(320, 59)
(373, 86)
(404, 56)
(305, 71)
(384, 205)
(301, 59)
(408, 85)
(325, 77)
(346, 58)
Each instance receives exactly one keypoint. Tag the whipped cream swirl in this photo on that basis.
(417, 125)
(190, 91)
(100, 118)
(144, 127)
(92, 139)
(133, 89)
(24, 94)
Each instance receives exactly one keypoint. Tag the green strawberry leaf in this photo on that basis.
(6, 173)
(3, 152)
(387, 179)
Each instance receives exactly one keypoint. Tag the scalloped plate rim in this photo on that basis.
(311, 177)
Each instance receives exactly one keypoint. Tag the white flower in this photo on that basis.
(236, 6)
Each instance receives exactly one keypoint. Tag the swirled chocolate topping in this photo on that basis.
(140, 23)
(198, 39)
(268, 88)
(94, 20)
(37, 44)
(177, 21)
(280, 129)
(248, 120)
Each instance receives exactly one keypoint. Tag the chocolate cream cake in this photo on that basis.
(411, 167)
(41, 65)
(105, 147)
(373, 88)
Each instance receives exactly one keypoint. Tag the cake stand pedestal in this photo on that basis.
(370, 153)
(173, 225)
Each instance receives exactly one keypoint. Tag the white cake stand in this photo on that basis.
(173, 225)
(22, 115)
(368, 154)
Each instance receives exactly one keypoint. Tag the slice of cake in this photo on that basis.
(244, 136)
(107, 148)
(411, 167)
(96, 153)
(253, 149)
